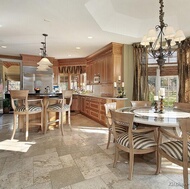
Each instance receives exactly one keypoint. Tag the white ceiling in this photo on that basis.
(68, 24)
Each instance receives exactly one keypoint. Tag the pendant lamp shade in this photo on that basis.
(44, 63)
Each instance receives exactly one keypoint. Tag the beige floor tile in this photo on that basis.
(77, 160)
(94, 183)
(66, 176)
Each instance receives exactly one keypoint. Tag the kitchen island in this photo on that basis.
(88, 104)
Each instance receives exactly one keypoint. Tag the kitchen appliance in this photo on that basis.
(35, 79)
(96, 79)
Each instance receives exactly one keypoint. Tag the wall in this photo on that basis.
(128, 71)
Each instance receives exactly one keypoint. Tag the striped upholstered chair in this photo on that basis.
(119, 129)
(177, 149)
(22, 106)
(132, 141)
(62, 106)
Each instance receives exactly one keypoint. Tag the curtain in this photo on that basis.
(140, 85)
(184, 71)
(72, 69)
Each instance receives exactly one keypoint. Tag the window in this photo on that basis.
(170, 83)
(167, 81)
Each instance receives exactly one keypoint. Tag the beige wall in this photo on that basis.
(128, 71)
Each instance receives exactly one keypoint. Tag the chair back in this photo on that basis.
(139, 104)
(182, 106)
(122, 119)
(21, 96)
(109, 106)
(68, 95)
(185, 128)
(177, 149)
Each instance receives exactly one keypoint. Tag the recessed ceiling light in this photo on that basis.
(90, 37)
(4, 47)
(46, 20)
(0, 25)
(77, 48)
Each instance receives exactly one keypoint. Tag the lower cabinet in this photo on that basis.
(93, 108)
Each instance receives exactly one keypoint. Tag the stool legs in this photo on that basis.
(14, 126)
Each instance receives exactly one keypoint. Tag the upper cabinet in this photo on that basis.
(105, 63)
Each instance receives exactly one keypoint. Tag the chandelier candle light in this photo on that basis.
(44, 63)
(163, 40)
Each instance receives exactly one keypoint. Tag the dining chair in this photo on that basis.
(119, 129)
(139, 104)
(61, 106)
(177, 149)
(132, 141)
(24, 107)
(181, 106)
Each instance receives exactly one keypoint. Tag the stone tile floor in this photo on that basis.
(77, 160)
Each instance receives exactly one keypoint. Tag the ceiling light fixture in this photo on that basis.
(162, 41)
(44, 63)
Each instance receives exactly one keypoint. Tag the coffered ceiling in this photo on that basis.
(69, 23)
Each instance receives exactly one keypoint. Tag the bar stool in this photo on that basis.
(22, 106)
(61, 106)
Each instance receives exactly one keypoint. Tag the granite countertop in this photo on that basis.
(104, 97)
(82, 94)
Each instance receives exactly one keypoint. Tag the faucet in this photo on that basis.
(47, 89)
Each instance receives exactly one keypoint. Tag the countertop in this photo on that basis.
(83, 94)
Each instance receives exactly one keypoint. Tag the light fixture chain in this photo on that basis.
(161, 17)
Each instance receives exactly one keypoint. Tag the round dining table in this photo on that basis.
(148, 116)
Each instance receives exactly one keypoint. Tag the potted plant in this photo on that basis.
(6, 105)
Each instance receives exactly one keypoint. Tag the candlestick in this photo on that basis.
(161, 105)
(122, 84)
(155, 107)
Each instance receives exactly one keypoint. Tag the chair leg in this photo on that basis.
(116, 156)
(109, 138)
(47, 121)
(42, 123)
(27, 122)
(61, 122)
(14, 127)
(185, 177)
(69, 119)
(131, 163)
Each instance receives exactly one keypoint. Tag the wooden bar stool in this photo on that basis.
(24, 107)
(61, 106)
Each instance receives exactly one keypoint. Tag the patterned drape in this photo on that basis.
(184, 71)
(72, 69)
(140, 85)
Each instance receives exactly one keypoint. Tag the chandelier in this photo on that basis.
(44, 64)
(162, 41)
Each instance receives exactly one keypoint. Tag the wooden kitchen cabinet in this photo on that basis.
(93, 107)
(107, 63)
(75, 103)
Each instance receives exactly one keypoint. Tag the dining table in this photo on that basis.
(148, 116)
